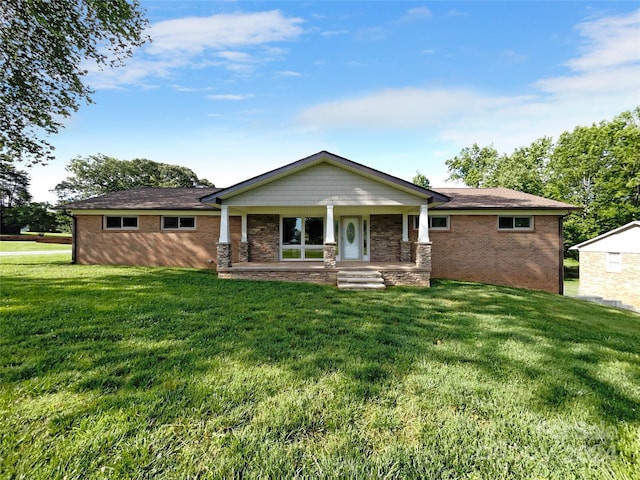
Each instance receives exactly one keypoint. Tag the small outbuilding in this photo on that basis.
(610, 265)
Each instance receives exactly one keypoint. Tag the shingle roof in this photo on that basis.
(190, 199)
(147, 199)
(497, 198)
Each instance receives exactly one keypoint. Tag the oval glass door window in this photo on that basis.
(351, 232)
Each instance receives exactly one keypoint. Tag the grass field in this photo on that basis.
(32, 246)
(125, 372)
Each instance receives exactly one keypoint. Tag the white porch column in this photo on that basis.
(224, 224)
(405, 227)
(243, 235)
(423, 229)
(329, 236)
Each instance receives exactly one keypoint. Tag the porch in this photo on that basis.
(393, 273)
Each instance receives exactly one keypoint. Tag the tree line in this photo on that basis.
(595, 167)
(89, 176)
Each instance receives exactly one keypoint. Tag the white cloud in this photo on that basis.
(288, 73)
(193, 35)
(609, 42)
(418, 13)
(601, 82)
(229, 97)
(192, 43)
(333, 33)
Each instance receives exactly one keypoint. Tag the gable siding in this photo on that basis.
(324, 184)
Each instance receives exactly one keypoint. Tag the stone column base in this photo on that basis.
(329, 255)
(243, 254)
(405, 251)
(224, 255)
(423, 255)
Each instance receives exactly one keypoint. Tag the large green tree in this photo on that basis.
(596, 167)
(99, 174)
(421, 180)
(473, 165)
(14, 185)
(14, 193)
(44, 48)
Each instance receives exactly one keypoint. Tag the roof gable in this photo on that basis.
(625, 239)
(356, 171)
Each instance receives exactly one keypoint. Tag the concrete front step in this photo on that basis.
(361, 286)
(360, 280)
(604, 301)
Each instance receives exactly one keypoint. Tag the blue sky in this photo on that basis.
(234, 89)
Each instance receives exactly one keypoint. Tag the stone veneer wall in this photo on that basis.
(263, 235)
(327, 276)
(418, 278)
(320, 276)
(623, 285)
(386, 238)
(475, 250)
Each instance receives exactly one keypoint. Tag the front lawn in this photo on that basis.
(18, 246)
(124, 372)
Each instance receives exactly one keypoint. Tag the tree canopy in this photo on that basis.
(44, 50)
(596, 167)
(14, 186)
(421, 180)
(99, 174)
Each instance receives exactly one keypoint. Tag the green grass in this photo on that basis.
(10, 246)
(124, 372)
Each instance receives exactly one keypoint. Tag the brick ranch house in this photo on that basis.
(324, 214)
(610, 265)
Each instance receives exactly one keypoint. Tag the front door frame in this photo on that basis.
(344, 221)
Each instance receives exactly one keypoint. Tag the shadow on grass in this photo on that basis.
(132, 336)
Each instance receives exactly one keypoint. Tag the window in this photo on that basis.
(614, 262)
(515, 223)
(178, 223)
(302, 238)
(120, 223)
(436, 222)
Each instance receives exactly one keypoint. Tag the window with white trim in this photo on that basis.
(436, 222)
(113, 222)
(301, 238)
(178, 223)
(515, 223)
(614, 262)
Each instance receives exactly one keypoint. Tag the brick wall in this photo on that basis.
(386, 238)
(151, 246)
(623, 285)
(263, 235)
(474, 250)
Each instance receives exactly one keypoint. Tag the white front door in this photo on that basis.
(351, 238)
